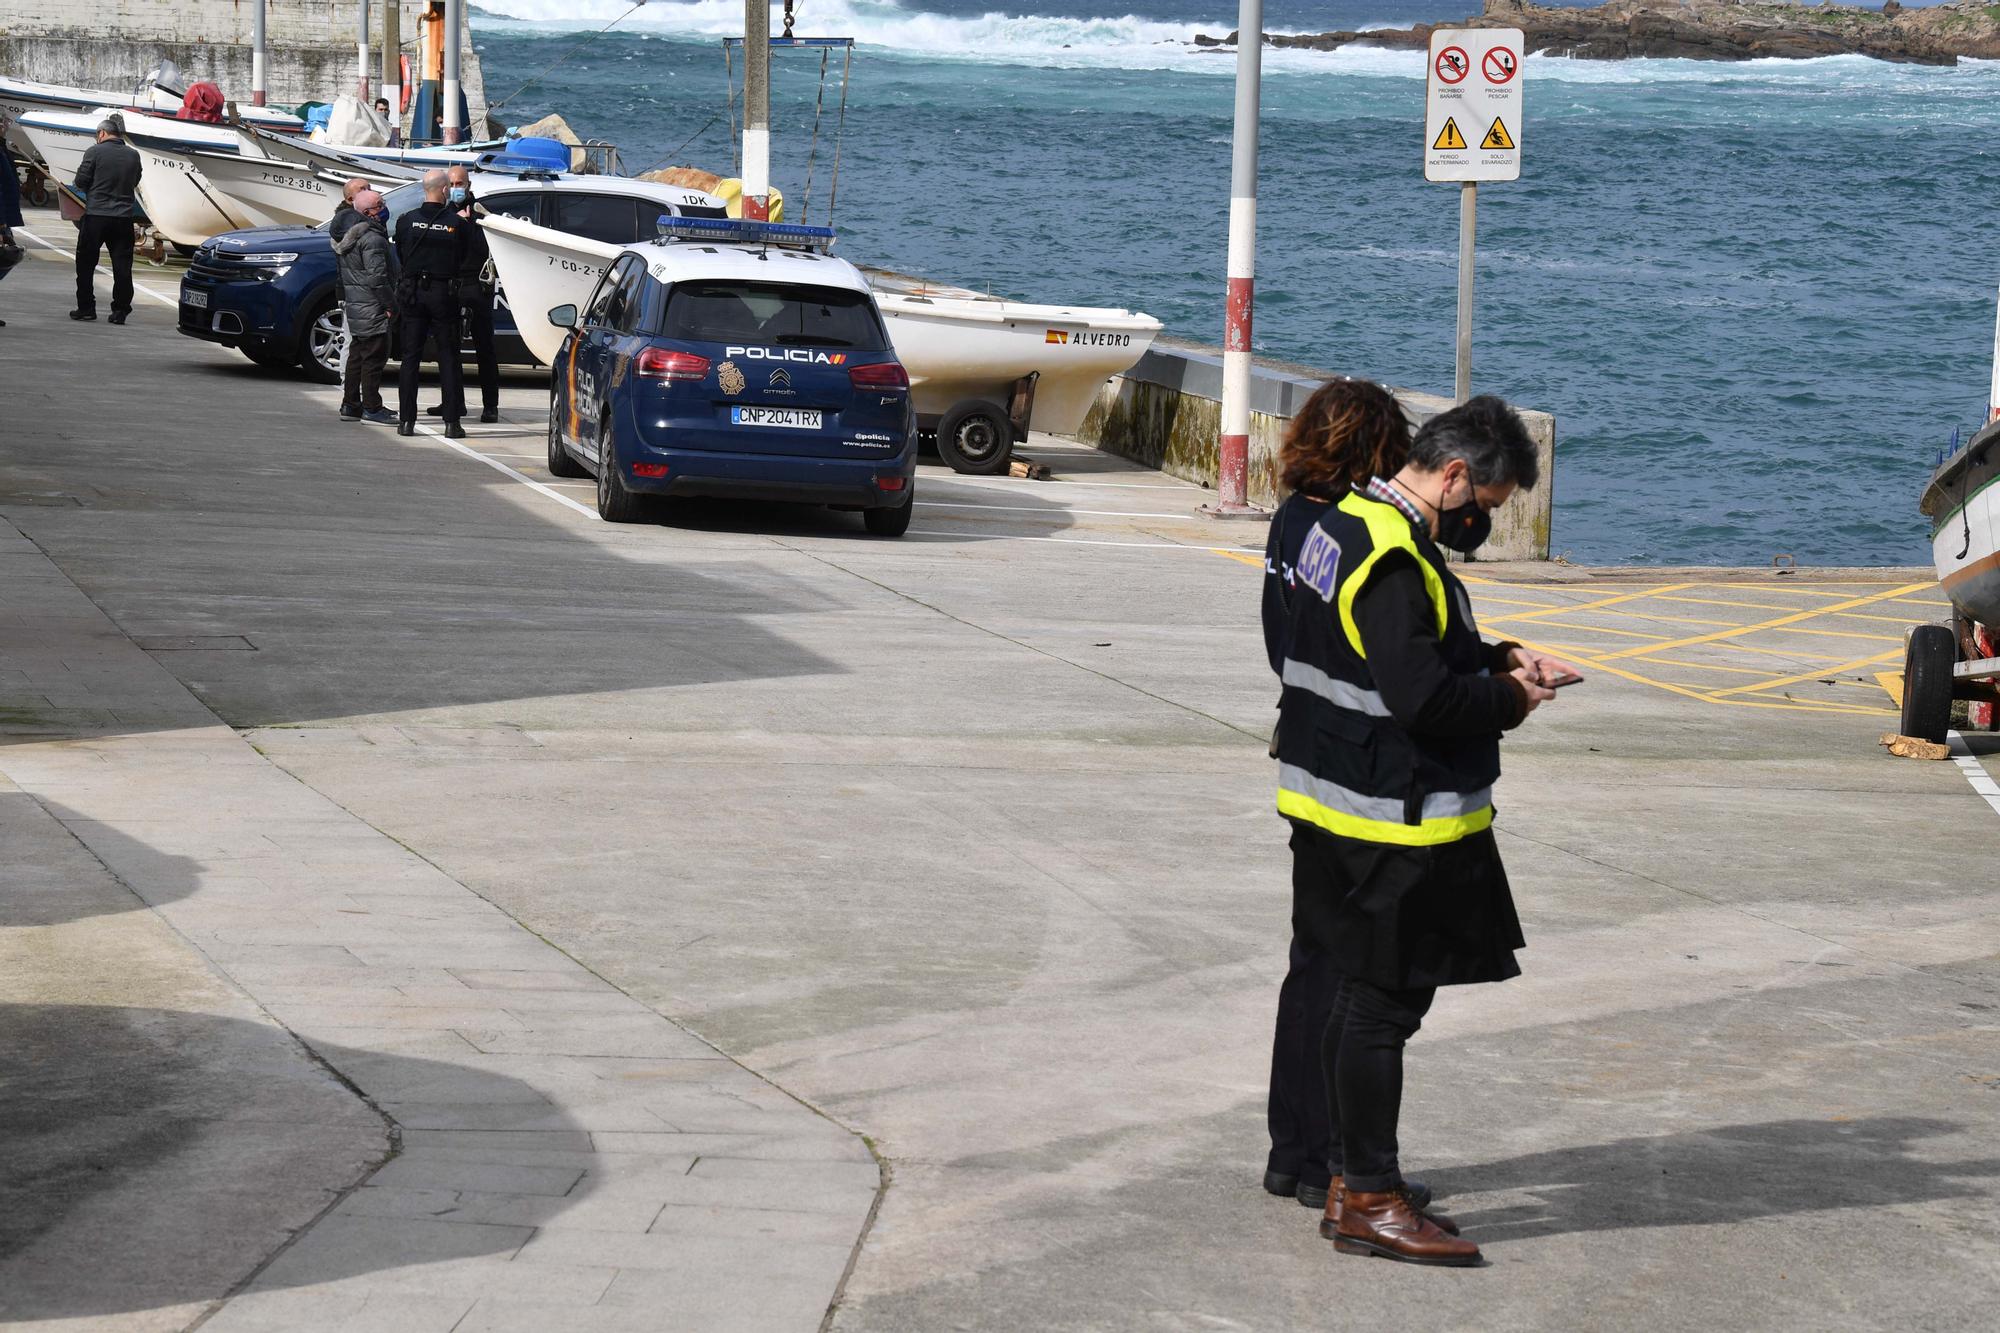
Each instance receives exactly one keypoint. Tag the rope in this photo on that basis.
(839, 137)
(812, 157)
(684, 143)
(578, 46)
(729, 82)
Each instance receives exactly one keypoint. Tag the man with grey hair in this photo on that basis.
(1388, 748)
(108, 185)
(430, 246)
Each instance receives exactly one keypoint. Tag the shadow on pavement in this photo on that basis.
(153, 1158)
(1726, 1175)
(45, 890)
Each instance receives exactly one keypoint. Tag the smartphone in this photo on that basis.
(1566, 680)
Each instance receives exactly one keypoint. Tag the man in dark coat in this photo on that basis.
(1388, 748)
(346, 215)
(108, 184)
(475, 295)
(368, 286)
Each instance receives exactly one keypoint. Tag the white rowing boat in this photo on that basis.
(960, 347)
(20, 97)
(179, 201)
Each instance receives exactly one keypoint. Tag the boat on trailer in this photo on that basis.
(982, 369)
(20, 97)
(178, 200)
(1960, 660)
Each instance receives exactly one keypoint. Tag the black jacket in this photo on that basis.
(108, 180)
(430, 242)
(476, 251)
(343, 217)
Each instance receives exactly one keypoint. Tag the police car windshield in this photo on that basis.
(780, 314)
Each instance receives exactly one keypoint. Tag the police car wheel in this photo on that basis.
(976, 438)
(1927, 662)
(561, 464)
(890, 522)
(615, 504)
(323, 350)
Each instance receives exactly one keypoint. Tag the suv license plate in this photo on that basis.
(796, 418)
(199, 300)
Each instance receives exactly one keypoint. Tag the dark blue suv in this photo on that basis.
(273, 293)
(733, 370)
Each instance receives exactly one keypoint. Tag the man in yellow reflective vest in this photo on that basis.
(1388, 747)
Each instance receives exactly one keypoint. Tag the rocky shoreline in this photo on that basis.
(1704, 30)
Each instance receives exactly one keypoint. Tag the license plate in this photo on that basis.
(794, 418)
(199, 300)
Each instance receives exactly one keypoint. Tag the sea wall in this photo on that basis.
(110, 44)
(1166, 412)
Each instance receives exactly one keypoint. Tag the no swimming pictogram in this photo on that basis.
(1453, 64)
(1500, 65)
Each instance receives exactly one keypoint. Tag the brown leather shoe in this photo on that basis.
(1385, 1225)
(1330, 1224)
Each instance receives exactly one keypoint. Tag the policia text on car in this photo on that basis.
(431, 243)
(1388, 747)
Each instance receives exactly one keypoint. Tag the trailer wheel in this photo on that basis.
(976, 437)
(1927, 664)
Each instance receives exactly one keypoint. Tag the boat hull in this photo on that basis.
(181, 203)
(956, 345)
(283, 192)
(19, 97)
(1963, 500)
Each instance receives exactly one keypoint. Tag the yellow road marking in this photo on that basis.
(1594, 629)
(1892, 685)
(1243, 556)
(1702, 666)
(1811, 675)
(1793, 619)
(1690, 692)
(1602, 601)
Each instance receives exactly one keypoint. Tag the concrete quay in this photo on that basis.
(432, 907)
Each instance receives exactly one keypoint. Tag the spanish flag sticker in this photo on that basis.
(1056, 336)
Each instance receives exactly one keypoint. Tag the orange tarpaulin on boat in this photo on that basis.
(203, 102)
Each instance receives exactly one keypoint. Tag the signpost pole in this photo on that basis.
(361, 50)
(454, 34)
(1232, 472)
(1468, 208)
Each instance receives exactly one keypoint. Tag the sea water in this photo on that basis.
(1757, 297)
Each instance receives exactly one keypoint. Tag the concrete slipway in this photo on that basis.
(429, 907)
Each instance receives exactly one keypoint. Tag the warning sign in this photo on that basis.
(1475, 79)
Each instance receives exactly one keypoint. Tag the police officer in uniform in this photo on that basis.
(430, 249)
(475, 290)
(1388, 747)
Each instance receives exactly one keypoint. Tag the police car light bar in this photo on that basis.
(742, 231)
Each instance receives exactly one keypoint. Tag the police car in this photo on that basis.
(734, 359)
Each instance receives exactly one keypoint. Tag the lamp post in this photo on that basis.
(1232, 474)
(756, 109)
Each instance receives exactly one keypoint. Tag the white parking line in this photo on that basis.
(498, 466)
(1975, 772)
(1051, 512)
(137, 286)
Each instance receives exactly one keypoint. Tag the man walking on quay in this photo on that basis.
(368, 287)
(1388, 747)
(108, 184)
(430, 247)
(475, 294)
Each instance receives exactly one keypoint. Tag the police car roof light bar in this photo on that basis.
(745, 232)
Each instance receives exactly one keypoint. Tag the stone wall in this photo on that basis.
(110, 44)
(1166, 412)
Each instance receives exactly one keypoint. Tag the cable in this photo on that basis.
(495, 106)
(684, 143)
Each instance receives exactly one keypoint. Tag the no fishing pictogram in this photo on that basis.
(1500, 65)
(1453, 64)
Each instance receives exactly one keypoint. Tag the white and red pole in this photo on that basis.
(756, 110)
(1232, 480)
(361, 44)
(257, 53)
(454, 37)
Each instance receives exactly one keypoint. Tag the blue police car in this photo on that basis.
(734, 359)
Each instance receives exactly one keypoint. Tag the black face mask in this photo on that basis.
(1464, 527)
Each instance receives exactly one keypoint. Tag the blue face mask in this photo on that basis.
(458, 194)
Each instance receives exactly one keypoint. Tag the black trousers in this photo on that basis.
(478, 315)
(429, 314)
(367, 357)
(1359, 1045)
(95, 233)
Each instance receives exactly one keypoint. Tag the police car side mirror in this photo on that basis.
(563, 316)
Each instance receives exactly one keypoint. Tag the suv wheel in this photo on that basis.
(615, 504)
(323, 349)
(560, 462)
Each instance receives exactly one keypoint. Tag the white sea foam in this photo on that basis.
(1132, 42)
